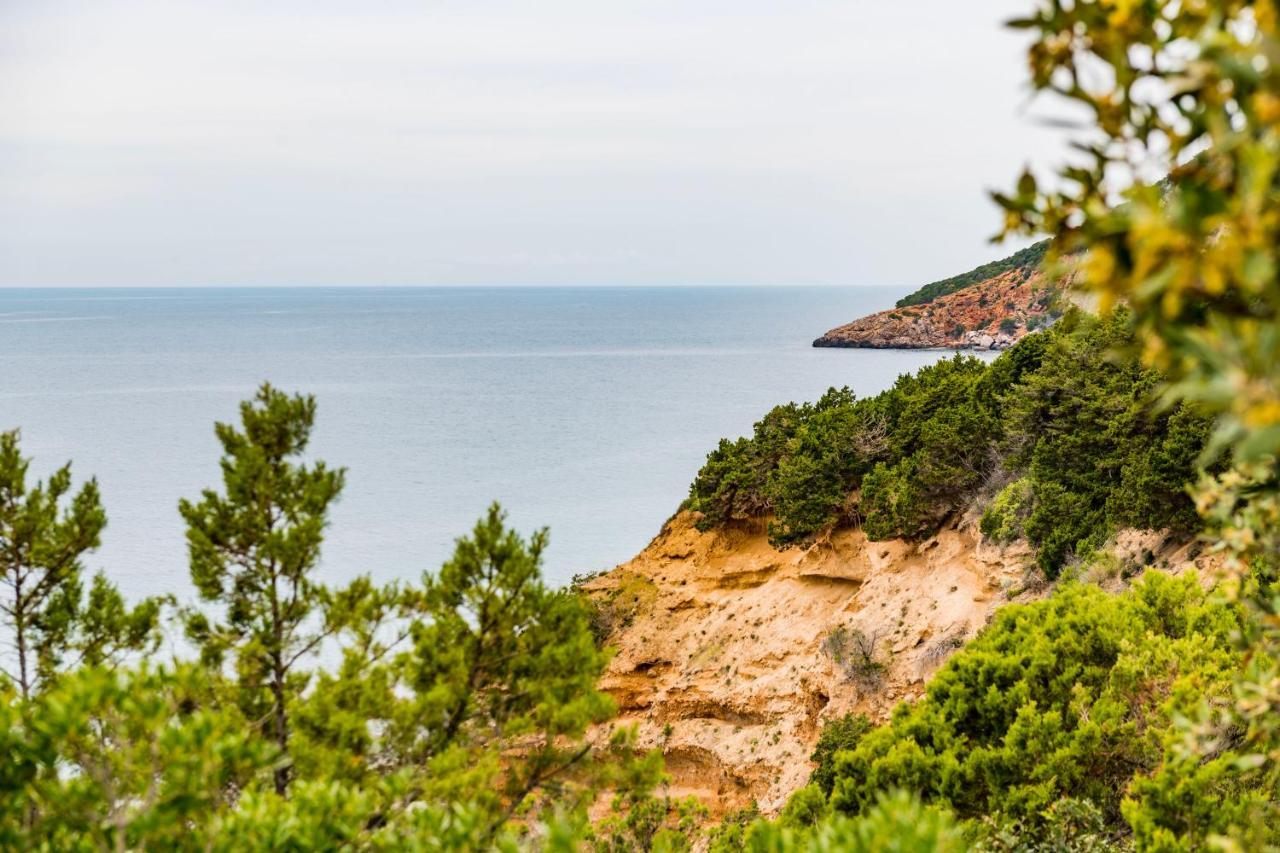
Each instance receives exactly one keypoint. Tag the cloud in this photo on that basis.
(503, 141)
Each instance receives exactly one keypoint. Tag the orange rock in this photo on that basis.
(993, 314)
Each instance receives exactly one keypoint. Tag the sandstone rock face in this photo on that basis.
(724, 657)
(993, 314)
(721, 659)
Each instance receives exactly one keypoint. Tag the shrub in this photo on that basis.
(1008, 325)
(897, 822)
(856, 653)
(840, 734)
(1073, 696)
(731, 485)
(1003, 520)
(1024, 261)
(1059, 410)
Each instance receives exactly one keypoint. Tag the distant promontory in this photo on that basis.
(989, 307)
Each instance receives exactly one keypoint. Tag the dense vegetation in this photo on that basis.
(451, 714)
(1024, 261)
(1063, 440)
(1058, 721)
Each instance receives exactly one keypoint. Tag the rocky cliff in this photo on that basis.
(992, 314)
(731, 655)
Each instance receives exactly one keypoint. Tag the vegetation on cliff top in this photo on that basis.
(1024, 262)
(1076, 429)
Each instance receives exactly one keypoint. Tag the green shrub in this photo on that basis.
(842, 733)
(1008, 325)
(1085, 427)
(897, 823)
(1002, 521)
(731, 485)
(1073, 696)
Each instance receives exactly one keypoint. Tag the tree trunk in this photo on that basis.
(281, 728)
(20, 626)
(281, 724)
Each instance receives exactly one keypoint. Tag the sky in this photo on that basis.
(416, 142)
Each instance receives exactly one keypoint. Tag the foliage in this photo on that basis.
(1002, 521)
(1069, 825)
(856, 653)
(1187, 91)
(731, 485)
(50, 625)
(1098, 452)
(122, 760)
(253, 551)
(1073, 696)
(840, 734)
(1081, 430)
(483, 679)
(640, 821)
(616, 608)
(1024, 262)
(455, 716)
(897, 823)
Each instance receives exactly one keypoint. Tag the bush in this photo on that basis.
(731, 485)
(1073, 696)
(898, 822)
(1003, 520)
(837, 735)
(1099, 454)
(1008, 325)
(1024, 261)
(856, 653)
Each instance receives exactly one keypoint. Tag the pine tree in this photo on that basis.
(481, 683)
(253, 550)
(49, 623)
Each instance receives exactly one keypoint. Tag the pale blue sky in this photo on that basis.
(192, 142)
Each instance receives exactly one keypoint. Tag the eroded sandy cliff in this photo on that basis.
(721, 659)
(724, 658)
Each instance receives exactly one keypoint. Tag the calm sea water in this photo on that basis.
(586, 410)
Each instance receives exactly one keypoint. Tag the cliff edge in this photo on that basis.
(732, 655)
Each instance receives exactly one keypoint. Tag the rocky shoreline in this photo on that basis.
(991, 315)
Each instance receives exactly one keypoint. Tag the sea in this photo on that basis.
(584, 410)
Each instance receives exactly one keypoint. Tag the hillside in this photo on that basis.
(831, 562)
(728, 653)
(1023, 262)
(990, 307)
